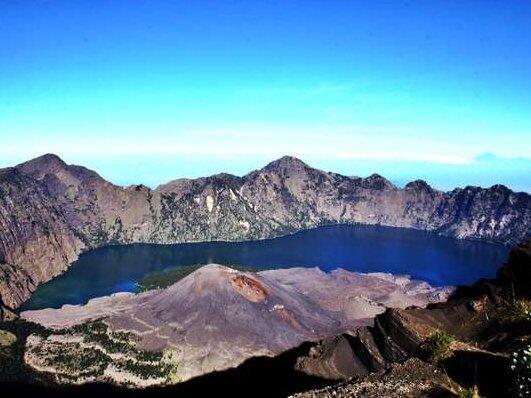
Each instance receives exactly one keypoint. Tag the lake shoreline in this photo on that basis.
(441, 261)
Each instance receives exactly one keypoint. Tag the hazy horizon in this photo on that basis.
(154, 171)
(145, 94)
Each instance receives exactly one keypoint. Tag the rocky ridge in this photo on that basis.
(50, 212)
(412, 379)
(478, 328)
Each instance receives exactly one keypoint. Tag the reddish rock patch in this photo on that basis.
(249, 288)
(288, 317)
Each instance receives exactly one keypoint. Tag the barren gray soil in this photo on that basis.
(217, 317)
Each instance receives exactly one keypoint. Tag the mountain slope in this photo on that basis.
(51, 211)
(216, 318)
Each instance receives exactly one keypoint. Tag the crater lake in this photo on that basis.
(422, 255)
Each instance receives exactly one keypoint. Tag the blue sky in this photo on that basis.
(146, 91)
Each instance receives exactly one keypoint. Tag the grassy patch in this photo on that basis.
(12, 367)
(437, 347)
(7, 339)
(514, 311)
(146, 370)
(468, 393)
(521, 372)
(73, 360)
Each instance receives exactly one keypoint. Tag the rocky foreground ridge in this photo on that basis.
(213, 319)
(457, 348)
(50, 212)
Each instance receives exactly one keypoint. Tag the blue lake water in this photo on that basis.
(436, 259)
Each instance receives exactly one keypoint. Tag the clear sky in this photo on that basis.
(144, 91)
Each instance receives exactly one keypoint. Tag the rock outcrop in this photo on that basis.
(50, 212)
(482, 323)
(412, 379)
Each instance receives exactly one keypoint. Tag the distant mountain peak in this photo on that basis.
(286, 162)
(376, 181)
(47, 163)
(418, 185)
(46, 159)
(486, 157)
(500, 188)
(52, 164)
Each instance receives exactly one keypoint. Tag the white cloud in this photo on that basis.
(350, 142)
(405, 156)
(240, 143)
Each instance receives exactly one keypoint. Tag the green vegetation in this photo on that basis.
(5, 191)
(167, 277)
(521, 372)
(74, 360)
(6, 339)
(12, 367)
(513, 311)
(437, 347)
(90, 327)
(113, 342)
(146, 370)
(507, 327)
(468, 393)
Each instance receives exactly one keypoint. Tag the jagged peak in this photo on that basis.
(376, 181)
(286, 162)
(225, 177)
(47, 159)
(496, 188)
(53, 164)
(50, 155)
(138, 187)
(47, 163)
(418, 185)
(217, 180)
(499, 187)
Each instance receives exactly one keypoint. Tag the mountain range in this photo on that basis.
(50, 212)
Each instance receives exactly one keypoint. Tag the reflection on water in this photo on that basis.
(438, 260)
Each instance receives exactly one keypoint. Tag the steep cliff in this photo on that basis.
(51, 211)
